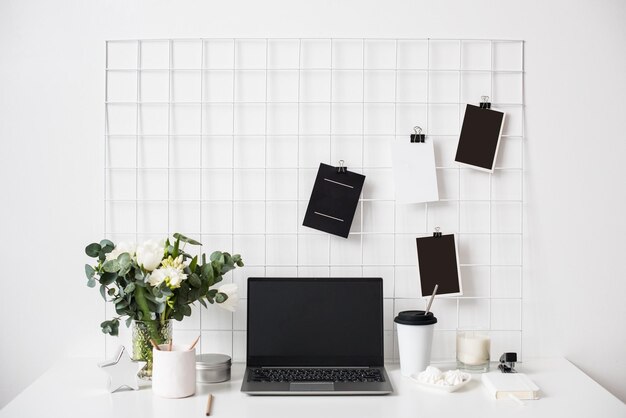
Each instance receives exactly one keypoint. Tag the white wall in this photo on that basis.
(51, 124)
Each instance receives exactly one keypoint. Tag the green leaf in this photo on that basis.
(130, 288)
(202, 302)
(217, 256)
(221, 297)
(129, 321)
(110, 327)
(91, 282)
(194, 280)
(176, 246)
(89, 271)
(186, 310)
(111, 266)
(92, 250)
(108, 278)
(103, 290)
(183, 238)
(193, 264)
(106, 242)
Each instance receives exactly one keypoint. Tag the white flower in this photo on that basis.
(230, 290)
(170, 275)
(150, 254)
(121, 248)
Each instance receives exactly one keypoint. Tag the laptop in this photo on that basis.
(315, 336)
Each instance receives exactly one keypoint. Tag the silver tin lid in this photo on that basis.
(212, 361)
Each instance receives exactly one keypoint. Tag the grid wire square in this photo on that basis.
(249, 185)
(218, 119)
(121, 152)
(315, 86)
(313, 151)
(239, 346)
(506, 249)
(475, 217)
(380, 54)
(152, 217)
(506, 314)
(282, 151)
(445, 150)
(411, 218)
(406, 282)
(313, 249)
(250, 53)
(185, 86)
(217, 342)
(348, 149)
(444, 55)
(506, 282)
(121, 119)
(476, 55)
(475, 185)
(347, 53)
(218, 53)
(184, 184)
(508, 56)
(217, 184)
(186, 119)
(315, 53)
(377, 183)
(412, 86)
(507, 88)
(281, 184)
(281, 249)
(345, 251)
(249, 151)
(120, 217)
(410, 115)
(217, 151)
(380, 86)
(444, 215)
(187, 54)
(474, 314)
(413, 54)
(252, 247)
(217, 217)
(378, 216)
(185, 217)
(476, 281)
(154, 119)
(152, 184)
(474, 249)
(378, 249)
(282, 86)
(121, 184)
(283, 53)
(121, 54)
(506, 217)
(377, 151)
(216, 318)
(444, 86)
(282, 217)
(250, 86)
(217, 85)
(121, 86)
(315, 119)
(155, 54)
(405, 250)
(474, 85)
(154, 86)
(250, 119)
(448, 183)
(282, 119)
(510, 153)
(347, 86)
(185, 152)
(379, 119)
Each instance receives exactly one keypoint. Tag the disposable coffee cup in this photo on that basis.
(415, 340)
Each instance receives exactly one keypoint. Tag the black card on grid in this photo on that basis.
(437, 262)
(480, 137)
(334, 199)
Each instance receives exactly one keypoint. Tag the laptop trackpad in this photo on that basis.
(311, 386)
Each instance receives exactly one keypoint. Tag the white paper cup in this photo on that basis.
(415, 340)
(174, 372)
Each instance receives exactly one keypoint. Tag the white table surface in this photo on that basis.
(77, 388)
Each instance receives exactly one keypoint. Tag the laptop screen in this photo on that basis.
(315, 322)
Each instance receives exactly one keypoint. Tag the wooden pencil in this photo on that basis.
(208, 405)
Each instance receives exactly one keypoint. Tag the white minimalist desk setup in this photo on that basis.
(77, 388)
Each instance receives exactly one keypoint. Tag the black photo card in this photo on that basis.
(334, 199)
(480, 137)
(438, 264)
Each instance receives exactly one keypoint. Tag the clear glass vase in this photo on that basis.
(143, 331)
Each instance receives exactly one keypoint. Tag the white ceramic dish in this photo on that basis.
(441, 388)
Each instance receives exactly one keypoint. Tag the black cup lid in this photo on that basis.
(415, 318)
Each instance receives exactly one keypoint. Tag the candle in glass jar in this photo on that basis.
(472, 349)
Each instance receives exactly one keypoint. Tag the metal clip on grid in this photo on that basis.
(437, 232)
(342, 168)
(418, 136)
(485, 104)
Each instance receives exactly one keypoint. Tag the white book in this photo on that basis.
(505, 385)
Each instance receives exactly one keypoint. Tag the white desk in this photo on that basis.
(76, 388)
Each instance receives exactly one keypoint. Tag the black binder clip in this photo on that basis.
(437, 232)
(418, 136)
(342, 168)
(507, 363)
(485, 104)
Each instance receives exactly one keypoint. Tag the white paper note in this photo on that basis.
(414, 172)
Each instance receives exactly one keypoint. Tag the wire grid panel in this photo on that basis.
(221, 139)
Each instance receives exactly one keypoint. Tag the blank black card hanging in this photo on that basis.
(438, 264)
(334, 199)
(480, 136)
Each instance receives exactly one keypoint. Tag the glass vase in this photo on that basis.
(143, 331)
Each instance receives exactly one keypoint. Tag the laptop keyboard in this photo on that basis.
(314, 375)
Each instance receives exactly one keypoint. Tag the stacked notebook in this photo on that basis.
(507, 385)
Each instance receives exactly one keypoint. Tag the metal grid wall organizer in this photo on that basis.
(221, 139)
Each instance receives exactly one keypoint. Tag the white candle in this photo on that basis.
(472, 349)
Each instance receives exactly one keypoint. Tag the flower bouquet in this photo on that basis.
(152, 283)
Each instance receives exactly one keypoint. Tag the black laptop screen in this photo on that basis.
(315, 322)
